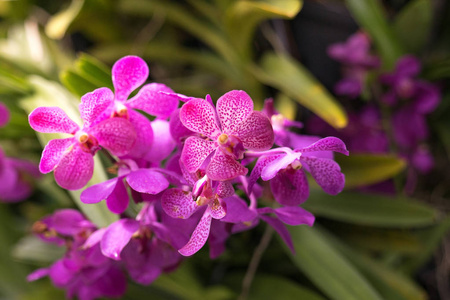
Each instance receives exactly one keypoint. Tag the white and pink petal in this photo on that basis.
(223, 167)
(255, 132)
(200, 116)
(233, 108)
(51, 120)
(195, 151)
(128, 73)
(75, 168)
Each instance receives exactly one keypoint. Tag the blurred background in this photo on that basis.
(373, 73)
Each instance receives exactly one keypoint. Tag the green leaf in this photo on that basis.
(370, 16)
(391, 284)
(287, 75)
(367, 169)
(76, 83)
(58, 24)
(242, 18)
(94, 71)
(33, 249)
(416, 17)
(274, 287)
(332, 273)
(371, 210)
(49, 93)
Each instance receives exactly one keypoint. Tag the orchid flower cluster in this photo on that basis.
(408, 98)
(195, 171)
(15, 174)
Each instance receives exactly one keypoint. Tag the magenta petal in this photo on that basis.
(233, 108)
(255, 132)
(224, 189)
(223, 167)
(327, 174)
(144, 134)
(290, 188)
(280, 228)
(199, 236)
(177, 129)
(4, 115)
(117, 201)
(195, 151)
(178, 203)
(238, 211)
(156, 99)
(326, 144)
(115, 134)
(117, 236)
(37, 274)
(94, 103)
(294, 215)
(164, 145)
(67, 221)
(74, 169)
(258, 168)
(60, 274)
(128, 73)
(98, 192)
(217, 209)
(199, 116)
(281, 163)
(147, 181)
(51, 120)
(94, 238)
(53, 152)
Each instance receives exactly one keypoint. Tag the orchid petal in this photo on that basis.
(294, 215)
(326, 144)
(60, 274)
(51, 120)
(223, 167)
(224, 189)
(233, 108)
(195, 151)
(94, 238)
(238, 211)
(290, 187)
(199, 116)
(255, 132)
(115, 134)
(53, 152)
(156, 99)
(93, 104)
(280, 228)
(74, 169)
(164, 145)
(327, 174)
(177, 129)
(128, 73)
(178, 203)
(67, 221)
(281, 163)
(257, 170)
(217, 209)
(38, 274)
(144, 134)
(4, 115)
(199, 236)
(98, 192)
(117, 201)
(147, 181)
(117, 236)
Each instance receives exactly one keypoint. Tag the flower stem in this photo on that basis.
(254, 263)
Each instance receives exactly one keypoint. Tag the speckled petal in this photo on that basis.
(147, 181)
(290, 188)
(223, 167)
(224, 189)
(326, 144)
(327, 174)
(217, 209)
(115, 134)
(255, 132)
(281, 163)
(156, 99)
(52, 154)
(195, 151)
(199, 116)
(74, 169)
(233, 108)
(199, 236)
(94, 103)
(128, 73)
(51, 120)
(144, 134)
(4, 115)
(178, 203)
(117, 236)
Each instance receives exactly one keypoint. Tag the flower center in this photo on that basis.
(87, 142)
(231, 145)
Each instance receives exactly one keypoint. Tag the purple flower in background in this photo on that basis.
(14, 173)
(288, 182)
(71, 159)
(356, 60)
(4, 115)
(232, 129)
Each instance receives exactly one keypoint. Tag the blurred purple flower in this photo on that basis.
(4, 115)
